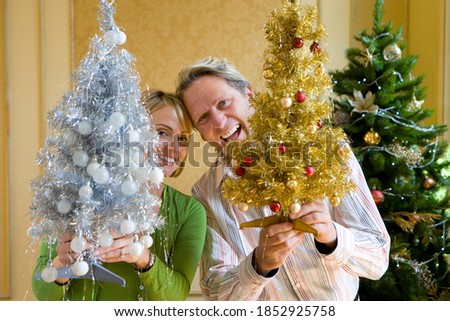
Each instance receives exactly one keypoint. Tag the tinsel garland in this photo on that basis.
(294, 154)
(95, 176)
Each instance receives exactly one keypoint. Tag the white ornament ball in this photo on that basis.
(85, 192)
(78, 244)
(133, 136)
(295, 208)
(243, 207)
(121, 38)
(141, 174)
(105, 239)
(117, 120)
(49, 274)
(136, 249)
(286, 102)
(101, 175)
(147, 241)
(392, 52)
(92, 167)
(127, 226)
(80, 268)
(129, 188)
(80, 158)
(70, 138)
(111, 37)
(64, 206)
(85, 127)
(156, 175)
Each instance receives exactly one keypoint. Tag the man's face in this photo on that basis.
(219, 111)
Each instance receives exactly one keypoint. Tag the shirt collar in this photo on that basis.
(222, 169)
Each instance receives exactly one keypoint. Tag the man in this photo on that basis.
(277, 262)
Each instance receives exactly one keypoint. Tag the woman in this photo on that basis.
(166, 270)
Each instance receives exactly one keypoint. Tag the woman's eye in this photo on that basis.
(183, 139)
(162, 133)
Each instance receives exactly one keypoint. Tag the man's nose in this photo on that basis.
(219, 119)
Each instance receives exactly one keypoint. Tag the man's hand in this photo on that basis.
(276, 242)
(317, 215)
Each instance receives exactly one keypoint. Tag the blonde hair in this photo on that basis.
(155, 99)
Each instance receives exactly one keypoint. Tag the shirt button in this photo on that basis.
(297, 284)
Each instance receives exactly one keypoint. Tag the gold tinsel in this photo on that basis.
(407, 220)
(286, 138)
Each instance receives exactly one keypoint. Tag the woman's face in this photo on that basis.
(173, 139)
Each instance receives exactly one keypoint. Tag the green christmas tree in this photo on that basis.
(378, 103)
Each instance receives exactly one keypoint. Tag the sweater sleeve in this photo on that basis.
(172, 281)
(45, 291)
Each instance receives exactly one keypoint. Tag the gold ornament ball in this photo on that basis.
(428, 183)
(414, 219)
(392, 53)
(372, 137)
(243, 207)
(295, 207)
(268, 73)
(334, 200)
(312, 129)
(286, 102)
(292, 183)
(319, 71)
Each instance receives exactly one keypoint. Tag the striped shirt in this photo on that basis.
(226, 269)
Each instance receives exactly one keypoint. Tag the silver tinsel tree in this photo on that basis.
(95, 175)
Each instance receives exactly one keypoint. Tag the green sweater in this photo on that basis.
(179, 242)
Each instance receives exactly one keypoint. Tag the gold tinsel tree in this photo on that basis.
(293, 155)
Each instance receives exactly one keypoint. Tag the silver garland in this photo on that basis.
(99, 119)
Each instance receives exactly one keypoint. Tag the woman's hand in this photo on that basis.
(119, 251)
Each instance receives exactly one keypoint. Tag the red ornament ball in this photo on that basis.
(319, 124)
(248, 161)
(275, 206)
(282, 148)
(297, 42)
(315, 47)
(240, 171)
(300, 96)
(309, 171)
(378, 196)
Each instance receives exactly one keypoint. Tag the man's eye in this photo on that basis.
(224, 103)
(202, 119)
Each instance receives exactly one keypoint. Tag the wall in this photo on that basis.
(45, 39)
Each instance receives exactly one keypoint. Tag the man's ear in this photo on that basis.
(249, 91)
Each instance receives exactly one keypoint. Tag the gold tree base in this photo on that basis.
(299, 225)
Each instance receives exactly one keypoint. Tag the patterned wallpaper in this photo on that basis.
(164, 36)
